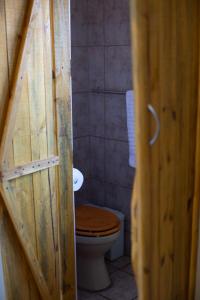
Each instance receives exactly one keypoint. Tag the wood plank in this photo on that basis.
(195, 267)
(44, 184)
(3, 95)
(3, 64)
(157, 253)
(20, 153)
(16, 266)
(14, 262)
(166, 93)
(194, 287)
(21, 149)
(141, 85)
(51, 138)
(62, 75)
(29, 168)
(187, 58)
(165, 35)
(26, 245)
(17, 83)
(134, 228)
(14, 28)
(43, 197)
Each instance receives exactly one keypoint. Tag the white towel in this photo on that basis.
(130, 108)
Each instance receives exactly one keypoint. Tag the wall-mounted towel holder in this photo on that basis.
(157, 132)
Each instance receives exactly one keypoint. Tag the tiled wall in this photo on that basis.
(101, 62)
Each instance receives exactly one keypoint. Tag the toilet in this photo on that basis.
(96, 231)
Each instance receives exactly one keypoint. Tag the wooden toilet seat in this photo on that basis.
(95, 221)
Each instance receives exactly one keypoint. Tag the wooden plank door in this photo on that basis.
(195, 252)
(37, 219)
(166, 65)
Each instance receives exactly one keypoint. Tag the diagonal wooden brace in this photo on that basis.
(17, 82)
(26, 245)
(6, 142)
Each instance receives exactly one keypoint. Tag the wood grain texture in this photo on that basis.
(3, 64)
(32, 201)
(194, 287)
(62, 75)
(27, 247)
(17, 80)
(44, 193)
(51, 136)
(166, 43)
(15, 265)
(134, 227)
(4, 88)
(30, 168)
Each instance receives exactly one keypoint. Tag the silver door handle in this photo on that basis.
(157, 132)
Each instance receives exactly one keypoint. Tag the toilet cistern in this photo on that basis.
(77, 179)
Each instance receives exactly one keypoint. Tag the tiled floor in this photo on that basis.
(123, 283)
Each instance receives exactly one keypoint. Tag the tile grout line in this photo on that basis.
(89, 108)
(103, 138)
(100, 45)
(104, 105)
(104, 297)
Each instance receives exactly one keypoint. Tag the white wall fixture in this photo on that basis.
(77, 179)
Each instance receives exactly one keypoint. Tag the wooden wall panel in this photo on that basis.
(166, 45)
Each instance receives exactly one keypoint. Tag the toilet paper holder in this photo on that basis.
(77, 180)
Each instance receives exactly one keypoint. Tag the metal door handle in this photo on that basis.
(157, 132)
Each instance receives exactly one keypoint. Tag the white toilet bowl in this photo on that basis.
(96, 231)
(91, 268)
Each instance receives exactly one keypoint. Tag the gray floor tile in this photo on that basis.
(121, 262)
(111, 268)
(97, 297)
(123, 287)
(128, 269)
(93, 297)
(84, 295)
